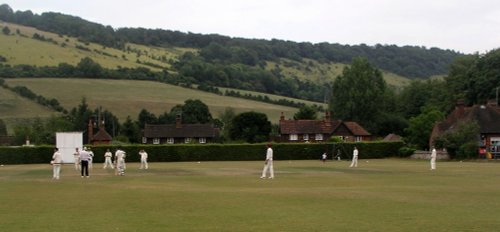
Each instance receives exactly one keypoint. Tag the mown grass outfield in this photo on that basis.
(379, 195)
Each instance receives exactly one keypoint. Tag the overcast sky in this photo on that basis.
(466, 26)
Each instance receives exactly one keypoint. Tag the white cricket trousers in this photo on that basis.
(268, 167)
(56, 170)
(77, 165)
(354, 162)
(144, 163)
(107, 162)
(433, 163)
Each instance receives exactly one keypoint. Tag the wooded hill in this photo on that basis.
(252, 64)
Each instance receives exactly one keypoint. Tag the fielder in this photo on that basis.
(268, 164)
(76, 155)
(91, 156)
(107, 160)
(56, 164)
(433, 158)
(354, 162)
(144, 159)
(120, 162)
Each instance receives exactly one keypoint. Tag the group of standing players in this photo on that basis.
(83, 161)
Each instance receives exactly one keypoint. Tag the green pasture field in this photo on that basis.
(26, 50)
(15, 109)
(129, 97)
(379, 195)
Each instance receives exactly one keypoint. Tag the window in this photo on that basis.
(187, 140)
(358, 138)
(293, 137)
(305, 136)
(144, 140)
(203, 140)
(319, 137)
(170, 140)
(156, 141)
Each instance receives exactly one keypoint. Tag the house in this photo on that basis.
(487, 116)
(179, 133)
(392, 138)
(99, 138)
(320, 130)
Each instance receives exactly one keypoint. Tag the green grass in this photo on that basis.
(379, 195)
(317, 72)
(26, 50)
(15, 109)
(128, 97)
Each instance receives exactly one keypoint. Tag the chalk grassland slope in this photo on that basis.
(26, 50)
(273, 96)
(15, 109)
(23, 49)
(318, 72)
(389, 195)
(128, 97)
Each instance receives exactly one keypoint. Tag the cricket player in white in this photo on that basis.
(268, 164)
(76, 155)
(433, 158)
(354, 162)
(56, 164)
(107, 159)
(91, 156)
(144, 159)
(120, 162)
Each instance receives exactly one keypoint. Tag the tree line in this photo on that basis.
(360, 94)
(409, 61)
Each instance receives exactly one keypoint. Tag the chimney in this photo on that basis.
(282, 117)
(327, 116)
(460, 107)
(90, 131)
(178, 121)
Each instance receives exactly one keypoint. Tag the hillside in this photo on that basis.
(128, 97)
(15, 109)
(409, 61)
(299, 70)
(22, 46)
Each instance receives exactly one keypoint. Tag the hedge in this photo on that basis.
(212, 152)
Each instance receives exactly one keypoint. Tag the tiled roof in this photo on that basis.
(392, 137)
(356, 129)
(487, 117)
(102, 135)
(185, 131)
(307, 126)
(319, 127)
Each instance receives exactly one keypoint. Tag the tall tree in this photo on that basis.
(146, 117)
(251, 127)
(420, 127)
(484, 78)
(130, 130)
(80, 116)
(461, 143)
(195, 111)
(306, 112)
(358, 94)
(226, 117)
